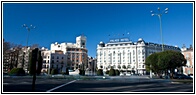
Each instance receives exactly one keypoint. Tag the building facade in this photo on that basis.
(55, 59)
(124, 54)
(72, 55)
(17, 57)
(188, 55)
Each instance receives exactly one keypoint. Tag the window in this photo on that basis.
(62, 57)
(187, 56)
(52, 61)
(133, 52)
(52, 57)
(188, 63)
(57, 57)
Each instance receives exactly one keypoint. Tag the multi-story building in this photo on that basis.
(75, 54)
(10, 59)
(53, 59)
(188, 54)
(23, 58)
(124, 54)
(17, 57)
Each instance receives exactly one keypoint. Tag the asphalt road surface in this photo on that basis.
(114, 84)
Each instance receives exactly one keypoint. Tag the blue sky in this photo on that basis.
(63, 22)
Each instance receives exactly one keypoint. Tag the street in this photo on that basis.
(113, 84)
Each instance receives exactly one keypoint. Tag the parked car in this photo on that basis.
(182, 76)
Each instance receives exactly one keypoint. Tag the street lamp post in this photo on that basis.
(159, 14)
(28, 29)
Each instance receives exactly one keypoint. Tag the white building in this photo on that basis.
(64, 55)
(124, 54)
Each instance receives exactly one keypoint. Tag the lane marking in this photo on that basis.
(60, 86)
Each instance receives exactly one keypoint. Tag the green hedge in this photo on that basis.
(54, 71)
(100, 72)
(112, 72)
(117, 72)
(17, 72)
(81, 72)
(107, 72)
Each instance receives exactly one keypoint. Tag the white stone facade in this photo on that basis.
(61, 55)
(127, 55)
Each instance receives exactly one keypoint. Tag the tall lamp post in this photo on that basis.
(159, 14)
(28, 29)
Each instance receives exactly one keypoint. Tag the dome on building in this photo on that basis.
(102, 44)
(140, 40)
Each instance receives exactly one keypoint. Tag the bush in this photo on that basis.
(100, 72)
(129, 71)
(54, 71)
(107, 72)
(66, 72)
(17, 72)
(81, 72)
(117, 72)
(112, 72)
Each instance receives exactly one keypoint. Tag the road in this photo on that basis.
(114, 84)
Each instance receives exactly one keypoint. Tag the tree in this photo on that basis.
(124, 67)
(117, 72)
(119, 67)
(107, 72)
(100, 72)
(170, 60)
(54, 71)
(112, 72)
(152, 63)
(40, 63)
(67, 71)
(166, 60)
(81, 72)
(35, 58)
(17, 72)
(30, 64)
